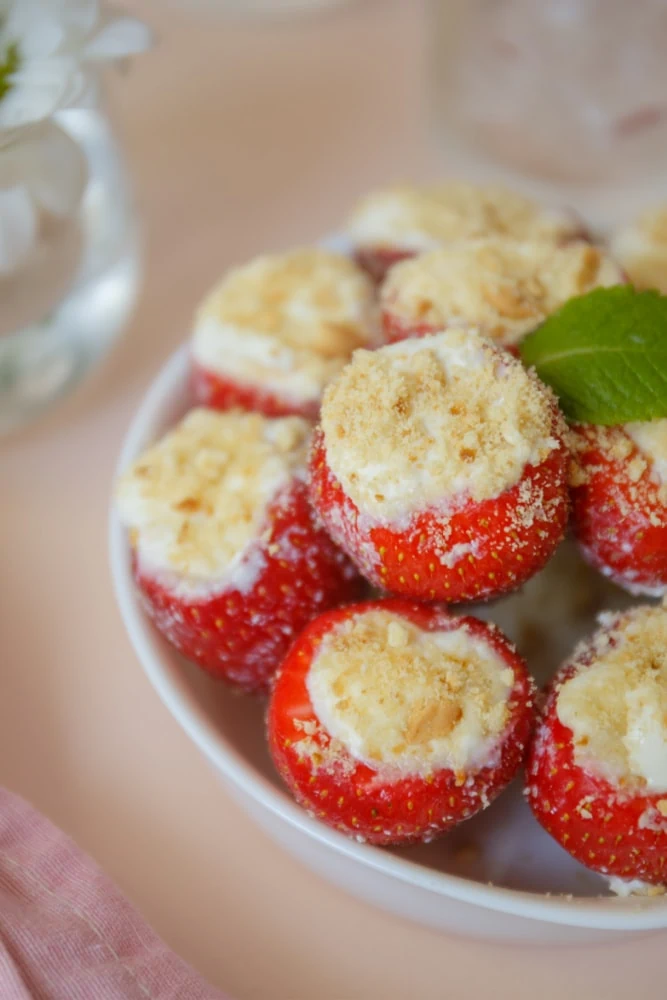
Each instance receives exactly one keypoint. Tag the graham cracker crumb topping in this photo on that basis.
(197, 499)
(435, 699)
(653, 224)
(435, 215)
(303, 311)
(503, 287)
(617, 706)
(641, 249)
(431, 421)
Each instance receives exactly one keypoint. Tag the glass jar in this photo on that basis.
(63, 309)
(564, 99)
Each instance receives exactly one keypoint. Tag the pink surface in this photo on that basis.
(242, 137)
(66, 933)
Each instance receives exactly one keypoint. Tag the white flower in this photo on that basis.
(50, 50)
(43, 174)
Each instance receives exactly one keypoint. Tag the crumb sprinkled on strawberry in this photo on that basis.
(597, 774)
(440, 468)
(405, 220)
(500, 286)
(394, 721)
(227, 556)
(274, 332)
(619, 497)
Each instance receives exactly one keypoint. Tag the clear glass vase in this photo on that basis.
(62, 311)
(562, 98)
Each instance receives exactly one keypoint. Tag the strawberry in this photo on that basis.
(607, 816)
(487, 551)
(396, 327)
(404, 683)
(274, 332)
(227, 557)
(502, 288)
(378, 261)
(619, 505)
(213, 389)
(403, 221)
(453, 548)
(241, 636)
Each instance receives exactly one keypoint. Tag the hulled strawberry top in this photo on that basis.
(423, 218)
(505, 287)
(196, 501)
(641, 248)
(412, 700)
(616, 706)
(288, 321)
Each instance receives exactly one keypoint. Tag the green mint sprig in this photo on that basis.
(9, 64)
(605, 355)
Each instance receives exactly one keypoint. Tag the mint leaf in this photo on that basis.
(605, 355)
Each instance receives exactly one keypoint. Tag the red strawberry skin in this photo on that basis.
(395, 328)
(611, 831)
(219, 393)
(620, 524)
(353, 797)
(377, 261)
(241, 637)
(478, 552)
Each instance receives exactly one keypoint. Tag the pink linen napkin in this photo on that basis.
(66, 932)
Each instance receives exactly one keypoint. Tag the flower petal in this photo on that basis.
(122, 36)
(18, 228)
(80, 16)
(49, 164)
(59, 172)
(60, 43)
(40, 39)
(32, 20)
(39, 88)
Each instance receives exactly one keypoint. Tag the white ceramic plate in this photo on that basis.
(498, 875)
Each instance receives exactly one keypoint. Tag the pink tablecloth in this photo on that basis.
(66, 933)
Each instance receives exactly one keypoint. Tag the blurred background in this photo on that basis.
(252, 133)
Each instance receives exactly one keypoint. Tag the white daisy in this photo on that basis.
(51, 49)
(42, 174)
(50, 53)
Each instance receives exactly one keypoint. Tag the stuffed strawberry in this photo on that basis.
(619, 502)
(402, 221)
(597, 774)
(228, 559)
(393, 721)
(504, 288)
(641, 247)
(274, 332)
(440, 468)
